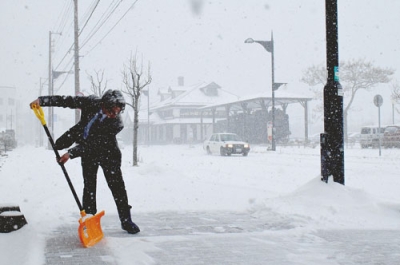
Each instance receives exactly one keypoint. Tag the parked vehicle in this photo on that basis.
(352, 138)
(7, 140)
(391, 136)
(226, 144)
(370, 136)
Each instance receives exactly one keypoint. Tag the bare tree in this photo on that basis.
(135, 82)
(395, 90)
(355, 75)
(395, 94)
(97, 86)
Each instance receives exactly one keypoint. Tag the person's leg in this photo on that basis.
(116, 184)
(89, 172)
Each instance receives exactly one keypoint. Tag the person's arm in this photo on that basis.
(62, 101)
(98, 141)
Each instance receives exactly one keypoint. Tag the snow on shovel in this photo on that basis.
(90, 232)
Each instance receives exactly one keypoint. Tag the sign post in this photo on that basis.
(378, 100)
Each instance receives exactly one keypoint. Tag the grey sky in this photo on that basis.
(207, 46)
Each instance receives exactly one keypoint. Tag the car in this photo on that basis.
(226, 144)
(352, 138)
(391, 136)
(370, 136)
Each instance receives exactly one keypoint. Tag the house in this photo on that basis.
(176, 117)
(188, 114)
(8, 105)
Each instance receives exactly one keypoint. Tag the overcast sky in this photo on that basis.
(201, 44)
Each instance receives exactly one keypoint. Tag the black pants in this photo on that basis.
(113, 175)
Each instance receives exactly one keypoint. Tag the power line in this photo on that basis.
(68, 11)
(112, 27)
(96, 25)
(94, 8)
(101, 21)
(64, 17)
(65, 78)
(61, 25)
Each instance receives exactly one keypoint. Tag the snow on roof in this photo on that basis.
(186, 121)
(282, 96)
(196, 96)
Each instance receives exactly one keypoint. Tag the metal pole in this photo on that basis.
(273, 147)
(392, 112)
(50, 110)
(332, 151)
(379, 128)
(40, 142)
(148, 117)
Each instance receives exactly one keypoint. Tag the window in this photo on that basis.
(365, 130)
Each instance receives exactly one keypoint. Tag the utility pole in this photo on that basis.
(76, 55)
(40, 130)
(51, 91)
(50, 110)
(332, 151)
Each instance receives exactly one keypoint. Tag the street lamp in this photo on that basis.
(269, 46)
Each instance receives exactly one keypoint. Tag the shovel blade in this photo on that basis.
(90, 232)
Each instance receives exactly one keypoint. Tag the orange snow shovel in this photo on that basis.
(90, 232)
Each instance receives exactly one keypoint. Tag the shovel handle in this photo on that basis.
(39, 113)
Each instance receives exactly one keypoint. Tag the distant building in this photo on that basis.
(176, 117)
(8, 108)
(189, 114)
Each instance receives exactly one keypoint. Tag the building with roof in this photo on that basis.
(186, 114)
(176, 118)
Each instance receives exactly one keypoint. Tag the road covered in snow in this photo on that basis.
(194, 208)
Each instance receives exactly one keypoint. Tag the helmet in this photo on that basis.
(113, 98)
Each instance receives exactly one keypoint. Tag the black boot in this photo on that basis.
(126, 221)
(130, 226)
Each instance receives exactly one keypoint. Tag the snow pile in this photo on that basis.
(333, 206)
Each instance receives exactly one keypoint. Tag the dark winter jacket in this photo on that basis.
(101, 141)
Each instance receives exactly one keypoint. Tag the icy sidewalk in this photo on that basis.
(224, 238)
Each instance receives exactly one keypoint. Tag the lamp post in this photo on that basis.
(269, 46)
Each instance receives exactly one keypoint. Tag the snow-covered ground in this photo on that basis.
(284, 185)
